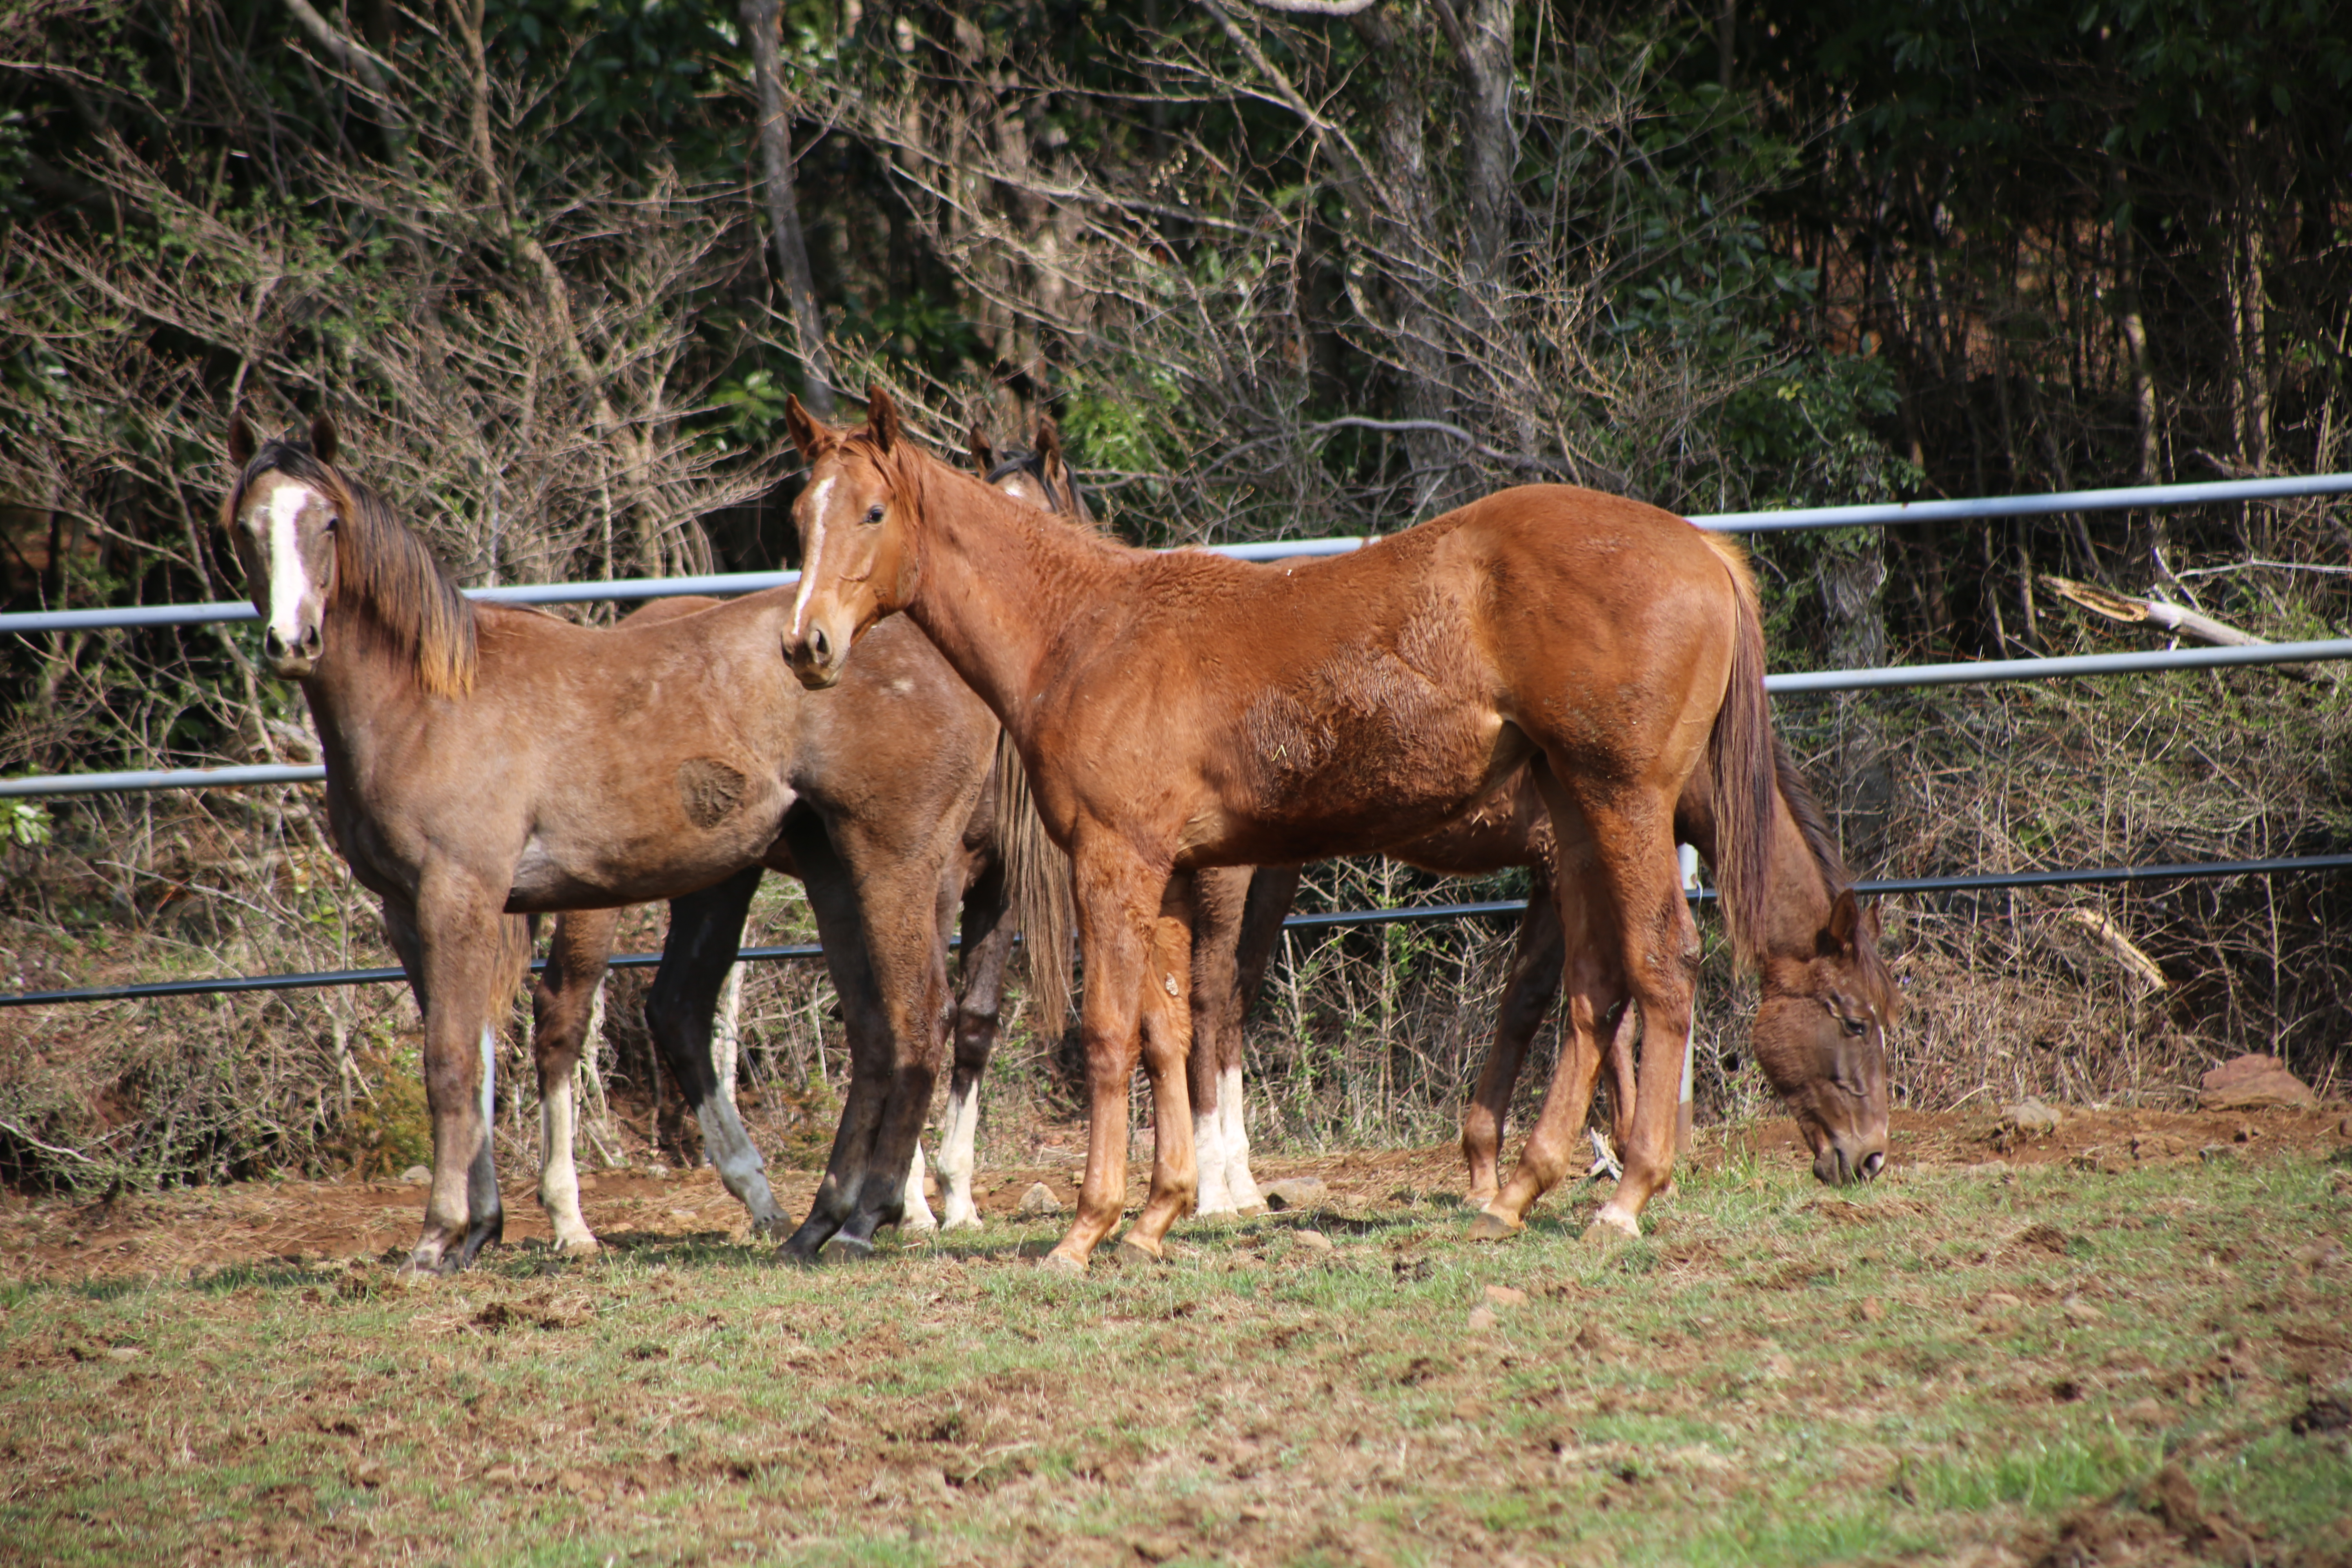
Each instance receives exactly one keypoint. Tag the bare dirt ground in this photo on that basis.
(299, 1221)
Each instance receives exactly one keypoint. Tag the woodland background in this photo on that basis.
(1279, 268)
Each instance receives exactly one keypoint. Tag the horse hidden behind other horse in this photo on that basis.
(1184, 710)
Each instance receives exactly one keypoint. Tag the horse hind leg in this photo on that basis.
(705, 931)
(1221, 896)
(1271, 890)
(1538, 956)
(562, 1005)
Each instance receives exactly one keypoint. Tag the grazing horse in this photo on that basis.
(486, 763)
(1178, 711)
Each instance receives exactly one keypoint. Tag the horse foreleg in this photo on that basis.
(1537, 956)
(1271, 889)
(1220, 897)
(1166, 1017)
(1116, 933)
(561, 1003)
(463, 956)
(987, 950)
(706, 929)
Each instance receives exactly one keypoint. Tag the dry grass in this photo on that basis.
(1960, 1364)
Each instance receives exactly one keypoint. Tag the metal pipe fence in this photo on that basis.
(1798, 684)
(2236, 491)
(1782, 520)
(242, 983)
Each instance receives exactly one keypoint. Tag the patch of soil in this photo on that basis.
(2090, 1139)
(297, 1224)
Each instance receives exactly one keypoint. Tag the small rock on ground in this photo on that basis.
(1313, 1240)
(1504, 1296)
(2029, 1115)
(1038, 1200)
(1295, 1193)
(417, 1176)
(2249, 1082)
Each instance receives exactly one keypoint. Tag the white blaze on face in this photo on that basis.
(281, 532)
(816, 553)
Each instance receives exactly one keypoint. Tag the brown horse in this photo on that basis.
(1509, 829)
(1003, 843)
(486, 763)
(1184, 710)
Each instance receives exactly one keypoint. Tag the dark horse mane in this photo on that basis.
(1807, 813)
(381, 567)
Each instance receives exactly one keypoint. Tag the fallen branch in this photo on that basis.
(2169, 617)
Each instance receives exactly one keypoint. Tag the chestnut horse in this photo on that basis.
(486, 763)
(1184, 710)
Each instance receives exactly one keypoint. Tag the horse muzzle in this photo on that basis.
(291, 658)
(817, 659)
(1842, 1161)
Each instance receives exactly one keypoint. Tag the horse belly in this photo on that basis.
(660, 857)
(1358, 766)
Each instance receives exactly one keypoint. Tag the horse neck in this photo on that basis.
(364, 670)
(1800, 891)
(997, 581)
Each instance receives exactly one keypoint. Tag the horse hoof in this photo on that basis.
(1474, 1199)
(582, 1245)
(964, 1222)
(845, 1248)
(1607, 1228)
(1248, 1211)
(772, 1226)
(1062, 1264)
(1132, 1254)
(1490, 1227)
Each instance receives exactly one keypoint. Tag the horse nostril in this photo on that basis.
(1872, 1164)
(820, 644)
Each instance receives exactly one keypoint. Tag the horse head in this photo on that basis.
(858, 564)
(1821, 1038)
(282, 519)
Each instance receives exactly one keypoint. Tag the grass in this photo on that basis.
(1940, 1367)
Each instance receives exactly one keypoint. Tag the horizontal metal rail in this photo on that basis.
(1771, 522)
(1803, 683)
(234, 984)
(2118, 499)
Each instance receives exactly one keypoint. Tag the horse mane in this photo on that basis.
(381, 567)
(1810, 819)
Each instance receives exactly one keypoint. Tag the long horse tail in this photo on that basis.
(1037, 875)
(1743, 769)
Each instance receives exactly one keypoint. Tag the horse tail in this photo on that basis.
(1037, 875)
(1742, 768)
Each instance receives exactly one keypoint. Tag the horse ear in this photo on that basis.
(240, 440)
(983, 450)
(881, 418)
(1049, 449)
(322, 438)
(813, 438)
(1870, 928)
(1845, 918)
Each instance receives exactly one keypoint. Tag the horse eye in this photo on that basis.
(1855, 1026)
(874, 512)
(333, 522)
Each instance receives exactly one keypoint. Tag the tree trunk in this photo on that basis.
(1403, 228)
(762, 19)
